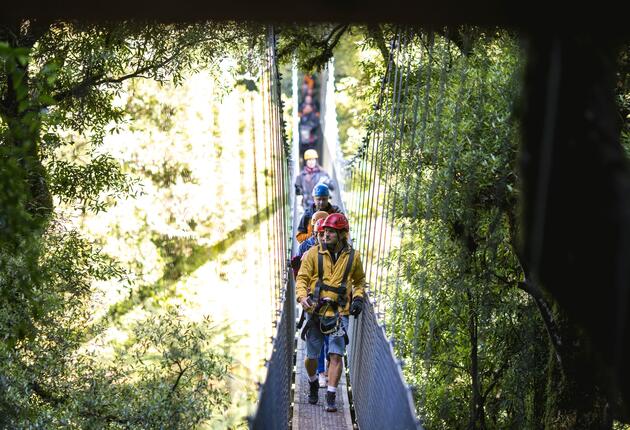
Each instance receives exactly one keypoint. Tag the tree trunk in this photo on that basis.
(576, 211)
(477, 412)
(574, 398)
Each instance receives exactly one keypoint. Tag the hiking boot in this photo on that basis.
(330, 402)
(322, 381)
(313, 392)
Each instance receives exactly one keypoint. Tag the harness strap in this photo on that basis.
(348, 267)
(341, 290)
(320, 277)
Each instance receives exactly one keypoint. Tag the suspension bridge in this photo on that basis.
(372, 391)
(387, 201)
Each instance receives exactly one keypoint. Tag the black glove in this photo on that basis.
(356, 307)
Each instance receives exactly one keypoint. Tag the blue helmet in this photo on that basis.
(321, 190)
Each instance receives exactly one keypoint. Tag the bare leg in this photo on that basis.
(334, 371)
(311, 366)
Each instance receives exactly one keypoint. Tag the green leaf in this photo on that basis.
(23, 105)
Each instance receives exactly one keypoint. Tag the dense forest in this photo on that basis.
(116, 223)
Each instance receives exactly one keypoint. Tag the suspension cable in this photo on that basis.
(371, 177)
(405, 174)
(385, 240)
(376, 187)
(429, 201)
(385, 159)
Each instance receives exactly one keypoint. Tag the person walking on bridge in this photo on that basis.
(330, 286)
(317, 238)
(310, 177)
(321, 197)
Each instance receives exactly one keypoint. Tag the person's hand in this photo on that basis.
(356, 307)
(306, 303)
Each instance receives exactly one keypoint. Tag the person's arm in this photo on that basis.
(358, 277)
(303, 281)
(304, 246)
(330, 182)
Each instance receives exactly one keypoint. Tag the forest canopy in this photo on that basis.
(98, 156)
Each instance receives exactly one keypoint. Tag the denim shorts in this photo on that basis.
(315, 339)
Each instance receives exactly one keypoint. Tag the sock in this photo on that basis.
(332, 389)
(313, 378)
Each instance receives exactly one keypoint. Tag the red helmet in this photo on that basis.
(336, 221)
(319, 225)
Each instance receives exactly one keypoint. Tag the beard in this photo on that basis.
(330, 244)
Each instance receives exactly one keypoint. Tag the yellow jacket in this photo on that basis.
(307, 276)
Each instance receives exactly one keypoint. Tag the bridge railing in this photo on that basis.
(275, 395)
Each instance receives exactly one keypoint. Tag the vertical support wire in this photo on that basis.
(369, 179)
(390, 165)
(385, 158)
(442, 210)
(392, 202)
(402, 178)
(428, 210)
(377, 173)
(419, 151)
(268, 198)
(280, 156)
(363, 155)
(274, 175)
(278, 178)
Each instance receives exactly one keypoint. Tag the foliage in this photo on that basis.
(60, 88)
(171, 376)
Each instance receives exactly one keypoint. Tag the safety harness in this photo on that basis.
(327, 325)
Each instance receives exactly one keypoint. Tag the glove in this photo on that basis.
(356, 307)
(307, 303)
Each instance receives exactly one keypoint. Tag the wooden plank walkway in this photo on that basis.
(315, 417)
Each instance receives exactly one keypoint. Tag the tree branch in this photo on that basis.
(495, 379)
(45, 395)
(374, 30)
(546, 314)
(179, 377)
(81, 88)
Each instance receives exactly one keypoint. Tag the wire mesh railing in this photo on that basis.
(380, 395)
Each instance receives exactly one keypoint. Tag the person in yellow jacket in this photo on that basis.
(329, 286)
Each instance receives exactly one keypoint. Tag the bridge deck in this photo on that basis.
(315, 417)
